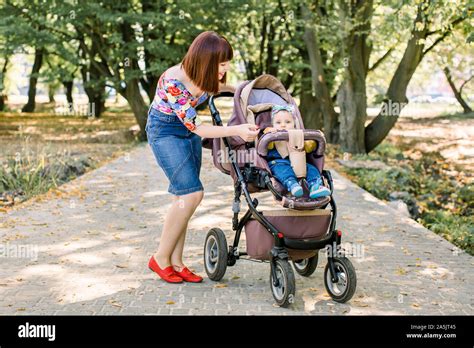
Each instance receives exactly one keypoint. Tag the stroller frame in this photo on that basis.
(279, 251)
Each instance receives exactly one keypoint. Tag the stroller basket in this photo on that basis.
(312, 226)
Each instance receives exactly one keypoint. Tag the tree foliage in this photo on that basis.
(329, 54)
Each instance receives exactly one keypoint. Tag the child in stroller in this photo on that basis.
(282, 119)
(295, 229)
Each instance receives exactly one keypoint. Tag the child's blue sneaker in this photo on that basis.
(296, 190)
(317, 191)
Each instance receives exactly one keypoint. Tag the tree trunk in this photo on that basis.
(68, 85)
(30, 105)
(51, 92)
(137, 104)
(94, 90)
(352, 96)
(351, 99)
(457, 94)
(93, 81)
(132, 90)
(150, 36)
(2, 84)
(309, 106)
(396, 99)
(270, 67)
(319, 82)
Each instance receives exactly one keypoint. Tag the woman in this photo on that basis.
(174, 133)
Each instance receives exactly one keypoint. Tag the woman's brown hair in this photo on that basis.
(201, 62)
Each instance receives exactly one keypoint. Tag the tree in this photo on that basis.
(424, 31)
(3, 73)
(455, 56)
(27, 25)
(5, 54)
(458, 91)
(318, 74)
(61, 72)
(22, 34)
(352, 95)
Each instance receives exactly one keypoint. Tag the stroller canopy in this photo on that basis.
(258, 96)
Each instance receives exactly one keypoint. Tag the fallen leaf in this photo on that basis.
(220, 286)
(360, 304)
(115, 303)
(170, 302)
(401, 271)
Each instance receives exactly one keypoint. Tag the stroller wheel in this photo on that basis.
(283, 287)
(215, 254)
(306, 267)
(344, 289)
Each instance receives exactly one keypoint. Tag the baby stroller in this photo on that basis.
(295, 232)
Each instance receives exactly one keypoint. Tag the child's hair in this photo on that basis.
(277, 108)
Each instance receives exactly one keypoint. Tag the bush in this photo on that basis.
(382, 182)
(446, 206)
(458, 230)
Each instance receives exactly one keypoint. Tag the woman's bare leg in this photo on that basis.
(177, 256)
(176, 221)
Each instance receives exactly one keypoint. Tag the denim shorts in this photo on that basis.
(177, 150)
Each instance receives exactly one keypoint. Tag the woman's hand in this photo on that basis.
(248, 132)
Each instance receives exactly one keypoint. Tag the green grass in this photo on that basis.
(29, 173)
(459, 230)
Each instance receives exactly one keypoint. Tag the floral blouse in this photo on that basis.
(172, 97)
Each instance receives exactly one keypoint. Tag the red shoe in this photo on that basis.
(168, 274)
(189, 276)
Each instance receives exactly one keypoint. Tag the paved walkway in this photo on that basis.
(89, 249)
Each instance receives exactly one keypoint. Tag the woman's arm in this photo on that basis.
(246, 131)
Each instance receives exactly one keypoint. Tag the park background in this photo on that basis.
(389, 82)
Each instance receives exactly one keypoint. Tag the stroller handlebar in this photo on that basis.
(214, 113)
